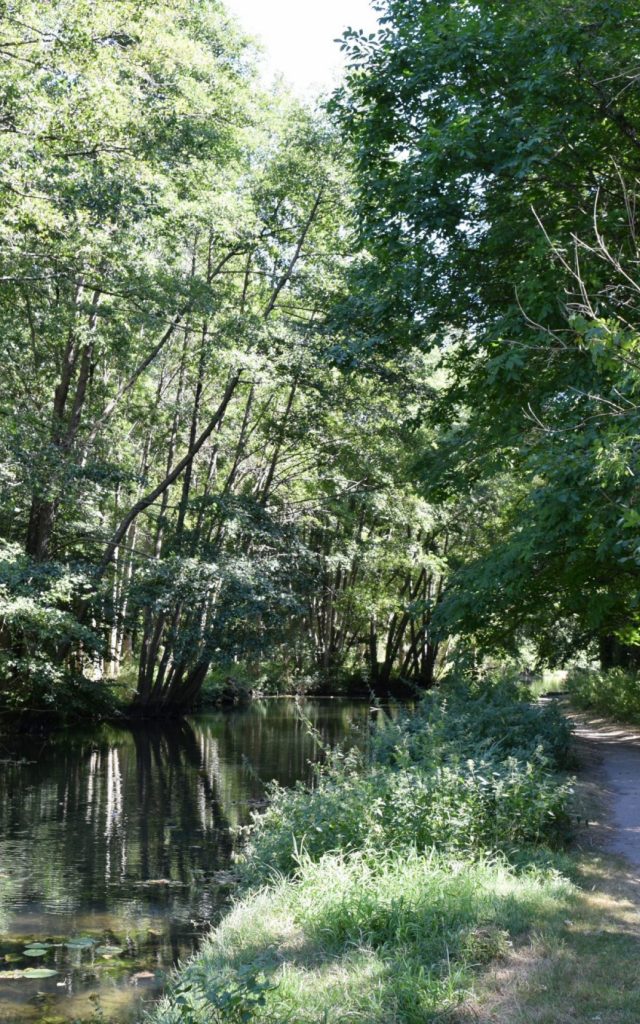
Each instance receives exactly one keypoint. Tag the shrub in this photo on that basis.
(443, 777)
(615, 692)
(495, 718)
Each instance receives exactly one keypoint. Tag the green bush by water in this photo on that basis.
(478, 718)
(464, 806)
(468, 771)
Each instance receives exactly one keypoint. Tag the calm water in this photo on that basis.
(115, 848)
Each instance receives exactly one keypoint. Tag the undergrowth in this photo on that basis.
(615, 693)
(375, 895)
(475, 769)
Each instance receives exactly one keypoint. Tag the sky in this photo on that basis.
(298, 36)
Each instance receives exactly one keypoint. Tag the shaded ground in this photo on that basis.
(609, 785)
(609, 758)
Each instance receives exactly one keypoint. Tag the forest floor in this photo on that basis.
(584, 967)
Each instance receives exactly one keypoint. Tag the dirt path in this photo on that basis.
(610, 777)
(583, 967)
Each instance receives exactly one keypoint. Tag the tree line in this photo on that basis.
(347, 390)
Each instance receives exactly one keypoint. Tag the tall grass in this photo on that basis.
(353, 940)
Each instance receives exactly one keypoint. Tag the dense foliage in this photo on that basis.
(330, 395)
(467, 771)
(388, 882)
(614, 693)
(497, 149)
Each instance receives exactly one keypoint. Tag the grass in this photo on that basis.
(422, 940)
(395, 941)
(581, 966)
(582, 963)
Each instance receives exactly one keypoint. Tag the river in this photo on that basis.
(116, 848)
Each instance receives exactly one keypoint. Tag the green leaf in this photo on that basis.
(80, 943)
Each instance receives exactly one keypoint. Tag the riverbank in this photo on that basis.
(91, 703)
(382, 894)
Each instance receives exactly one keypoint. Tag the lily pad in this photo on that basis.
(109, 950)
(13, 958)
(39, 972)
(35, 951)
(80, 943)
(11, 975)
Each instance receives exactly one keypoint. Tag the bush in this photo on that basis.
(615, 693)
(464, 773)
(492, 718)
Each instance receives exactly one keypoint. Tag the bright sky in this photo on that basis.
(299, 36)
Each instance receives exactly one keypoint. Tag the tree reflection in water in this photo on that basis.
(120, 835)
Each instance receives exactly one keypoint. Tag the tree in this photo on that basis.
(191, 476)
(487, 135)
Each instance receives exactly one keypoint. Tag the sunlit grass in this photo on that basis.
(581, 966)
(417, 939)
(399, 940)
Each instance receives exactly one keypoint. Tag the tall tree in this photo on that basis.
(498, 146)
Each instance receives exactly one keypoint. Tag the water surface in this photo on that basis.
(116, 843)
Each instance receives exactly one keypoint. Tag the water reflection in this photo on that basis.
(117, 839)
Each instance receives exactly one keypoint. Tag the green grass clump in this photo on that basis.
(615, 693)
(353, 939)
